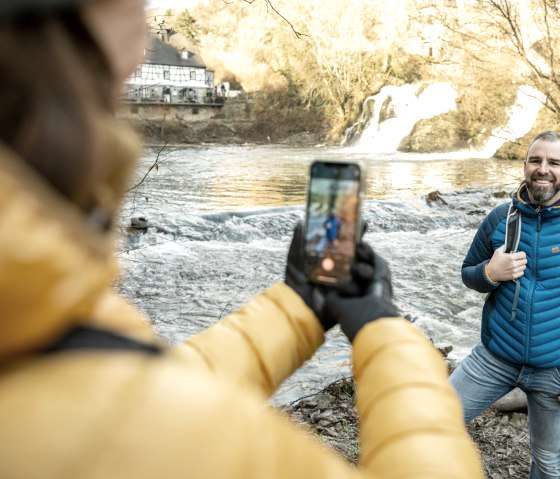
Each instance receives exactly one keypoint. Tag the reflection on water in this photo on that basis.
(232, 178)
(222, 220)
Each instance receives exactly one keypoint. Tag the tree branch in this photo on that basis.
(273, 8)
(155, 165)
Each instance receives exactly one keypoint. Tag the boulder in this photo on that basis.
(515, 400)
(139, 223)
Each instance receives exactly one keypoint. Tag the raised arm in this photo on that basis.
(411, 424)
(261, 344)
(474, 269)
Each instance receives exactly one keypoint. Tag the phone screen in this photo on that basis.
(332, 220)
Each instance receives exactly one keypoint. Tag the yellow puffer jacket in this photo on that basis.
(197, 410)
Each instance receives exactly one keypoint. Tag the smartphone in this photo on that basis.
(332, 220)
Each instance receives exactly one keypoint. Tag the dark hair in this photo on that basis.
(55, 85)
(551, 136)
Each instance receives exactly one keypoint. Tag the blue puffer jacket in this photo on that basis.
(533, 337)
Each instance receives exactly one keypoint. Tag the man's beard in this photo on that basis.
(540, 194)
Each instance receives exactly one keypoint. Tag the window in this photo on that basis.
(192, 75)
(166, 75)
(195, 111)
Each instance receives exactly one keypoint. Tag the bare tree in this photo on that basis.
(531, 31)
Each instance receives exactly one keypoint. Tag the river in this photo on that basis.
(221, 221)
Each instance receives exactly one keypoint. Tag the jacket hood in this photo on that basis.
(55, 265)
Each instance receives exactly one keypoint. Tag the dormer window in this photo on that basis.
(185, 55)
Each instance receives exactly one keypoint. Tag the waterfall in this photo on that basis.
(390, 115)
(396, 109)
(522, 117)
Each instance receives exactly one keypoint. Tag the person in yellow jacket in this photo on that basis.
(86, 389)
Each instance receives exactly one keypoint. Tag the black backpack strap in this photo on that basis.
(513, 235)
(513, 229)
(87, 338)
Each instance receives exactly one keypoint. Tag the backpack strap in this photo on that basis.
(513, 235)
(513, 229)
(87, 338)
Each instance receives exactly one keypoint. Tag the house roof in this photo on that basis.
(162, 53)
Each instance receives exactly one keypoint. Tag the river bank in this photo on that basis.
(295, 130)
(500, 434)
(502, 438)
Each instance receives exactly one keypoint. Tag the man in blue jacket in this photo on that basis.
(520, 333)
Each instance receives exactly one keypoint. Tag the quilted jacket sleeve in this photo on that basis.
(481, 251)
(411, 424)
(261, 344)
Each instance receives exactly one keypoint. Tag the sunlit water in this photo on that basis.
(222, 219)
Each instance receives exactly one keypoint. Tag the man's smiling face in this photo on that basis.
(542, 172)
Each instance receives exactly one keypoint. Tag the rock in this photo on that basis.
(435, 197)
(138, 223)
(512, 401)
(500, 194)
(324, 400)
(438, 134)
(445, 350)
(519, 421)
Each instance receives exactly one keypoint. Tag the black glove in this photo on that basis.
(363, 299)
(312, 294)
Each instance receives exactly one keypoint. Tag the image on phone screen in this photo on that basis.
(332, 220)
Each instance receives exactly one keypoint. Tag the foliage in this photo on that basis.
(530, 31)
(188, 26)
(277, 115)
(328, 56)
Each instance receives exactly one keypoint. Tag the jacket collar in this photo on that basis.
(522, 202)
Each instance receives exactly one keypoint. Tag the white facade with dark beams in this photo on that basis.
(170, 76)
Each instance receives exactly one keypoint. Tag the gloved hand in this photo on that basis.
(312, 294)
(365, 298)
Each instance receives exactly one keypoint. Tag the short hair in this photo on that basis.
(551, 136)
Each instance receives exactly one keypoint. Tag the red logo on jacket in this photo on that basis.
(555, 249)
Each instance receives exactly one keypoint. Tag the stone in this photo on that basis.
(515, 400)
(435, 197)
(139, 223)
